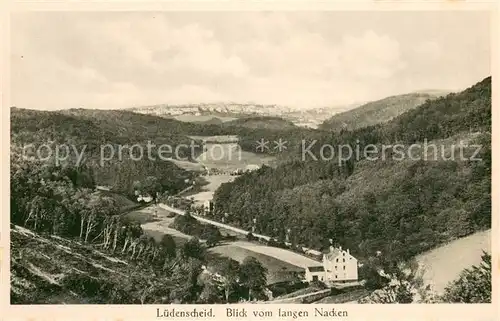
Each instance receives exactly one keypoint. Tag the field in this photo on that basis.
(230, 157)
(278, 271)
(287, 256)
(444, 264)
(157, 226)
(222, 152)
(282, 264)
(206, 192)
(225, 156)
(188, 166)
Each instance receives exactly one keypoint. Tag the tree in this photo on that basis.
(229, 269)
(473, 285)
(212, 235)
(186, 277)
(167, 246)
(193, 249)
(151, 186)
(211, 292)
(253, 276)
(405, 286)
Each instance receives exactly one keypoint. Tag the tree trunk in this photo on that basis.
(133, 246)
(89, 228)
(82, 223)
(115, 239)
(125, 245)
(28, 218)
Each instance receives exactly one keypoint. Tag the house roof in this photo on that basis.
(333, 254)
(316, 269)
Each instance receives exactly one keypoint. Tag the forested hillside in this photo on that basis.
(398, 207)
(90, 133)
(376, 112)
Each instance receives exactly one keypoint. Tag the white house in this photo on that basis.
(145, 198)
(340, 265)
(208, 206)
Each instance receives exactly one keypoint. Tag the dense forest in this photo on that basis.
(400, 208)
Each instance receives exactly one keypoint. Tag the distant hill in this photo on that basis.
(376, 112)
(262, 122)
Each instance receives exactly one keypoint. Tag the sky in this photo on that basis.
(111, 60)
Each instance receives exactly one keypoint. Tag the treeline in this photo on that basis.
(400, 208)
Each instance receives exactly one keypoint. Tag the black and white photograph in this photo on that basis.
(250, 157)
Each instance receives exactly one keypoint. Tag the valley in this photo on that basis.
(194, 214)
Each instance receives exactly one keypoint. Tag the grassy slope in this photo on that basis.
(40, 266)
(376, 112)
(278, 271)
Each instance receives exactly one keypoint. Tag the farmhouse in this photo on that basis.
(338, 266)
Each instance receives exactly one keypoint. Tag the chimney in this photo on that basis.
(340, 248)
(331, 248)
(347, 251)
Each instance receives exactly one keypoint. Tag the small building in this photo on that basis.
(315, 273)
(208, 206)
(251, 168)
(145, 198)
